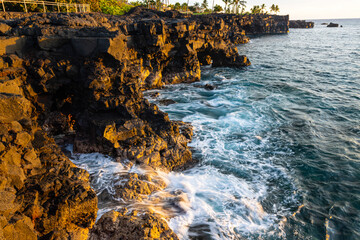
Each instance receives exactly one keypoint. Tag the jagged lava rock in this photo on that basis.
(132, 226)
(42, 194)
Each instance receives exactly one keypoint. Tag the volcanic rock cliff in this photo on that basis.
(78, 79)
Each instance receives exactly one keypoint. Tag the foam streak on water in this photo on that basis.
(231, 187)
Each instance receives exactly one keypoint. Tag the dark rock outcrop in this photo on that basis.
(79, 78)
(300, 24)
(333, 25)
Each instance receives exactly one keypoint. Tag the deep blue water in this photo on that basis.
(278, 142)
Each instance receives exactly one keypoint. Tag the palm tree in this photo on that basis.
(234, 3)
(226, 3)
(177, 6)
(197, 6)
(272, 8)
(218, 8)
(158, 4)
(184, 6)
(255, 9)
(242, 5)
(237, 4)
(204, 5)
(152, 4)
(242, 10)
(263, 7)
(277, 9)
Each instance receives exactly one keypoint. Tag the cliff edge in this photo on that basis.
(78, 79)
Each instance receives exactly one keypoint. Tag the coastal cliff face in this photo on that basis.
(78, 79)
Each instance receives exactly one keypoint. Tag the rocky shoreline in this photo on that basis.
(79, 79)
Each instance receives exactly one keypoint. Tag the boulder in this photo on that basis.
(4, 29)
(117, 225)
(14, 107)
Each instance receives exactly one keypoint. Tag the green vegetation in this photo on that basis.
(204, 5)
(255, 9)
(114, 7)
(119, 7)
(262, 9)
(218, 8)
(234, 6)
(274, 8)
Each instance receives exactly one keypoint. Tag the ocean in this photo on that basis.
(278, 142)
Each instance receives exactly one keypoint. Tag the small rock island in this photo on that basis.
(300, 24)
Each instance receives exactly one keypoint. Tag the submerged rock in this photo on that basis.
(209, 87)
(166, 102)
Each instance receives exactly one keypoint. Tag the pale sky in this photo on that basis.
(304, 9)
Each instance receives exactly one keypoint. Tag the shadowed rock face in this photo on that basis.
(79, 80)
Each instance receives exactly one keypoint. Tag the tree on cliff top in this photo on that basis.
(255, 9)
(114, 7)
(236, 5)
(204, 5)
(263, 7)
(184, 7)
(177, 6)
(226, 4)
(38, 7)
(274, 8)
(217, 8)
(197, 6)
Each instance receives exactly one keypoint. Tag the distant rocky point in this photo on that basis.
(300, 24)
(333, 25)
